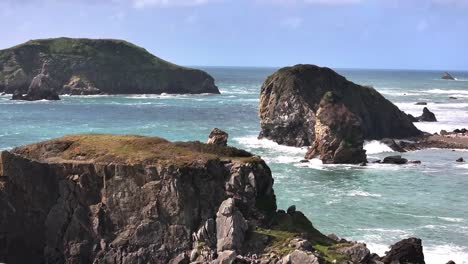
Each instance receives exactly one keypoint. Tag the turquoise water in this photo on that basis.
(378, 204)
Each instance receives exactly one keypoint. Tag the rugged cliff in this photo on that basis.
(291, 96)
(132, 199)
(93, 66)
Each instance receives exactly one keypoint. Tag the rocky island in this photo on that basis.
(93, 66)
(133, 199)
(308, 105)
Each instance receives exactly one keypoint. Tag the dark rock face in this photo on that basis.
(406, 251)
(93, 66)
(42, 87)
(338, 133)
(290, 99)
(427, 116)
(447, 76)
(395, 160)
(218, 137)
(393, 145)
(58, 210)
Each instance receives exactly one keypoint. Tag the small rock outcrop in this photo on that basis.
(42, 87)
(94, 66)
(427, 116)
(218, 137)
(447, 76)
(406, 251)
(460, 160)
(338, 133)
(290, 99)
(395, 160)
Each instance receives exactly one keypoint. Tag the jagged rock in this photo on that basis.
(291, 209)
(427, 116)
(42, 87)
(453, 97)
(447, 76)
(412, 118)
(218, 137)
(75, 200)
(395, 160)
(458, 131)
(90, 66)
(460, 159)
(300, 257)
(78, 86)
(206, 233)
(393, 145)
(225, 257)
(290, 99)
(230, 226)
(338, 133)
(406, 251)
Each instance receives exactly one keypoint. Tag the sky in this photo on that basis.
(384, 34)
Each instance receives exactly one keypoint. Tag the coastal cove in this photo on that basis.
(378, 204)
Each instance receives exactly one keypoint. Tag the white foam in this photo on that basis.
(375, 146)
(253, 142)
(436, 254)
(363, 193)
(452, 219)
(443, 91)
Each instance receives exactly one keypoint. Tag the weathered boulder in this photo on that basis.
(460, 159)
(290, 99)
(406, 251)
(447, 76)
(395, 160)
(427, 116)
(218, 137)
(42, 87)
(91, 66)
(357, 252)
(338, 133)
(230, 226)
(300, 257)
(124, 199)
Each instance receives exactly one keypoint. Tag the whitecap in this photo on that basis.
(449, 91)
(363, 193)
(452, 219)
(375, 146)
(253, 142)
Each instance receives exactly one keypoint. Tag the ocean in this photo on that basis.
(377, 204)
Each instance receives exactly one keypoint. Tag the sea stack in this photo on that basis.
(95, 66)
(447, 76)
(290, 99)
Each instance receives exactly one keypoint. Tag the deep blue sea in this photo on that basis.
(378, 204)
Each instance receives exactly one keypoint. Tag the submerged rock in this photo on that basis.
(460, 159)
(290, 99)
(447, 76)
(421, 103)
(92, 66)
(218, 137)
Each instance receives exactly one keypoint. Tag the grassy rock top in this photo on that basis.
(90, 66)
(130, 149)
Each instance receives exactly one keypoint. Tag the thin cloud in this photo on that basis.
(168, 3)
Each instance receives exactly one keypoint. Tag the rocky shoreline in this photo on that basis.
(133, 199)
